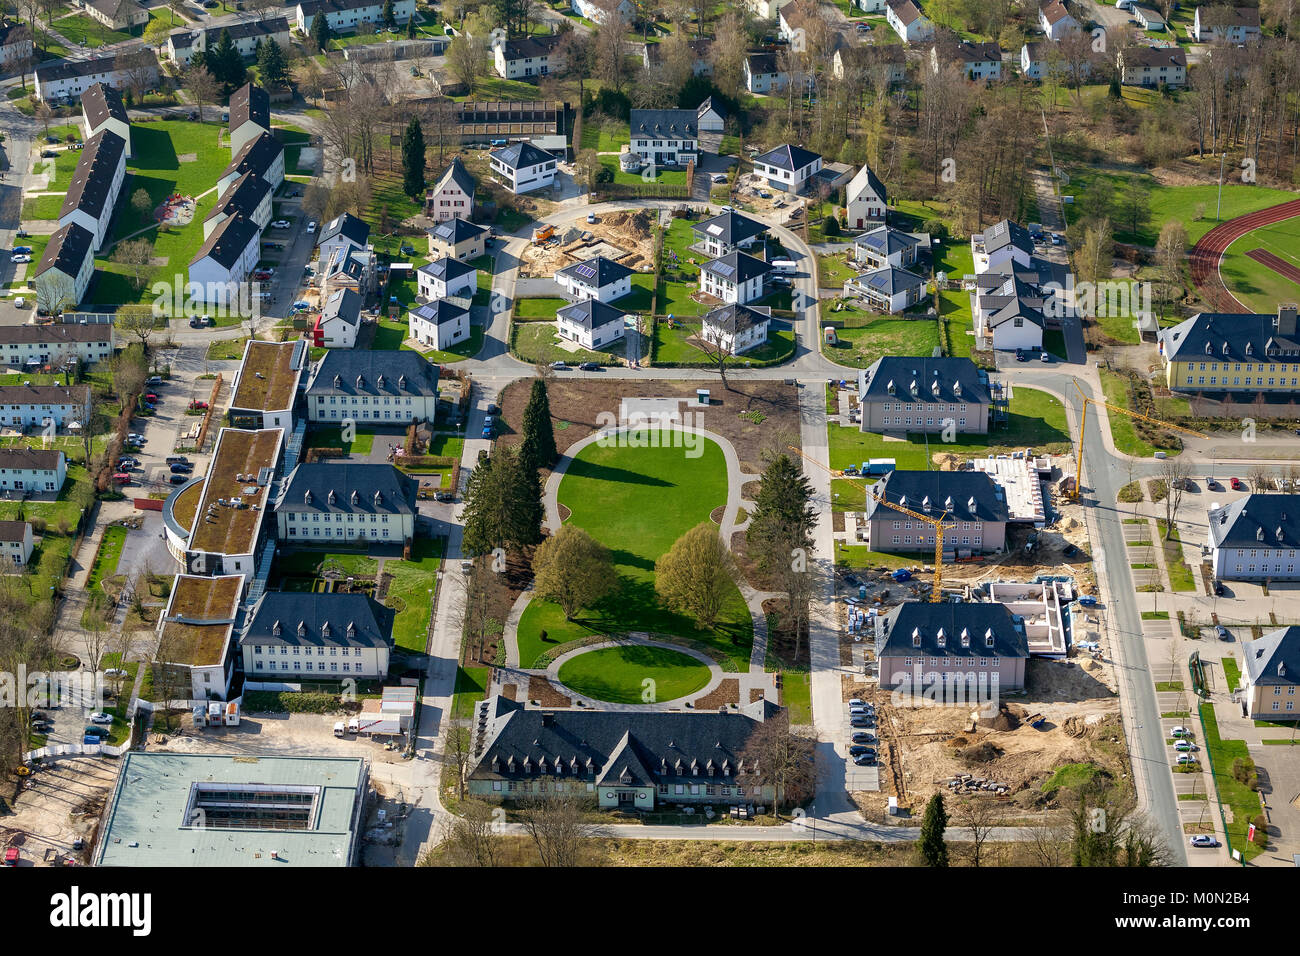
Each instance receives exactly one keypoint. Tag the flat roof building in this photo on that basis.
(228, 525)
(266, 386)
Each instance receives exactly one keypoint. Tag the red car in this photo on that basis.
(151, 397)
(1236, 484)
(122, 478)
(199, 406)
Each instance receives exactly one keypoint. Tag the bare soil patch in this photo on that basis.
(546, 694)
(727, 692)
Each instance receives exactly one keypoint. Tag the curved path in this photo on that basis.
(716, 674)
(1207, 254)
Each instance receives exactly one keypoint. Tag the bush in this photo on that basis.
(937, 228)
(604, 174)
(1261, 830)
(831, 227)
(38, 526)
(1243, 771)
(1131, 492)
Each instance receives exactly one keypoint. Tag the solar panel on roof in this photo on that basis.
(723, 269)
(714, 230)
(585, 271)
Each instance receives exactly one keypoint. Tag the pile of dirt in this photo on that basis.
(983, 752)
(947, 461)
(1075, 726)
(1003, 720)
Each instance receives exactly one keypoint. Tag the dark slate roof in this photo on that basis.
(708, 103)
(306, 619)
(885, 240)
(902, 371)
(67, 250)
(613, 747)
(257, 156)
(67, 69)
(443, 311)
(1234, 337)
(964, 51)
(30, 459)
(1257, 521)
(1007, 233)
(925, 619)
(250, 104)
(874, 182)
(1028, 308)
(737, 318)
(730, 227)
(1274, 658)
(101, 103)
(458, 174)
(13, 530)
(312, 7)
(1223, 16)
(1155, 57)
(664, 124)
(446, 269)
(357, 489)
(348, 226)
(521, 155)
(10, 32)
(382, 372)
(455, 231)
(532, 46)
(962, 495)
(737, 267)
(597, 273)
(788, 157)
(98, 166)
(228, 241)
(760, 63)
(243, 197)
(868, 55)
(184, 39)
(906, 10)
(353, 263)
(44, 394)
(591, 314)
(344, 304)
(889, 280)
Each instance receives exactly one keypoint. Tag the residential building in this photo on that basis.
(628, 760)
(344, 16)
(886, 246)
(265, 811)
(527, 57)
(119, 15)
(263, 156)
(293, 635)
(1148, 18)
(597, 278)
(64, 271)
(339, 321)
(1256, 538)
(15, 545)
(1002, 242)
(765, 9)
(701, 50)
(1225, 24)
(591, 323)
(458, 238)
(665, 137)
(373, 387)
(1008, 317)
(710, 117)
(865, 200)
(906, 19)
(446, 277)
(29, 346)
(92, 193)
(1038, 59)
(726, 233)
(788, 168)
(228, 531)
(102, 109)
(342, 233)
(65, 79)
(522, 167)
(888, 289)
(183, 44)
(226, 259)
(1055, 20)
(452, 195)
(971, 504)
(951, 651)
(195, 634)
(975, 61)
(736, 328)
(763, 74)
(596, 12)
(15, 44)
(350, 268)
(1269, 674)
(867, 61)
(1242, 354)
(32, 473)
(332, 503)
(266, 385)
(249, 196)
(800, 15)
(736, 278)
(41, 406)
(921, 394)
(250, 116)
(1153, 66)
(440, 324)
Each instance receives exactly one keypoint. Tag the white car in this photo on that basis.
(1185, 746)
(115, 671)
(99, 717)
(1180, 732)
(20, 257)
(311, 226)
(718, 178)
(1204, 840)
(280, 224)
(1185, 759)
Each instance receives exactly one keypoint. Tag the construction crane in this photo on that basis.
(1083, 425)
(935, 594)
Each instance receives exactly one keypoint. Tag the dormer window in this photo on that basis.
(1279, 533)
(332, 496)
(970, 504)
(947, 503)
(965, 637)
(355, 498)
(890, 387)
(325, 629)
(379, 498)
(352, 629)
(306, 497)
(338, 381)
(401, 382)
(379, 382)
(302, 628)
(925, 504)
(275, 629)
(1259, 534)
(361, 380)
(916, 637)
(1250, 348)
(1209, 349)
(988, 637)
(941, 637)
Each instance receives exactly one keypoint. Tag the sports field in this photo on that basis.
(1256, 284)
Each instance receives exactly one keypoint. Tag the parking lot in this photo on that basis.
(280, 734)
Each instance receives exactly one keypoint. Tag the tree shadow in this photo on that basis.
(592, 470)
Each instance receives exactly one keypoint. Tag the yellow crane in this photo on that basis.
(1083, 425)
(928, 519)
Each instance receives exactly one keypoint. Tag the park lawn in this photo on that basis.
(471, 687)
(634, 674)
(638, 501)
(409, 592)
(312, 563)
(110, 552)
(447, 445)
(541, 308)
(226, 350)
(1243, 802)
(1257, 286)
(43, 207)
(861, 556)
(461, 350)
(538, 342)
(488, 88)
(84, 31)
(871, 338)
(389, 335)
(331, 436)
(48, 48)
(1122, 431)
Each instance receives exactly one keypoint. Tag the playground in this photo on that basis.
(175, 211)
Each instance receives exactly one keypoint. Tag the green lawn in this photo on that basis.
(861, 556)
(488, 88)
(447, 445)
(1258, 287)
(638, 501)
(110, 552)
(409, 592)
(605, 137)
(673, 346)
(1231, 673)
(634, 674)
(1122, 431)
(226, 350)
(312, 563)
(471, 686)
(1243, 801)
(81, 29)
(331, 436)
(461, 350)
(662, 177)
(538, 308)
(834, 271)
(538, 342)
(1180, 575)
(871, 338)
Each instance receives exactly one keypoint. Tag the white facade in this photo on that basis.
(26, 345)
(336, 332)
(98, 225)
(267, 662)
(342, 527)
(759, 78)
(579, 290)
(792, 181)
(39, 475)
(347, 16)
(905, 19)
(62, 285)
(594, 13)
(593, 337)
(51, 84)
(730, 292)
(1054, 21)
(735, 343)
(182, 44)
(23, 406)
(526, 67)
(438, 335)
(1241, 25)
(525, 179)
(372, 409)
(431, 287)
(16, 550)
(449, 200)
(274, 174)
(221, 280)
(864, 203)
(15, 47)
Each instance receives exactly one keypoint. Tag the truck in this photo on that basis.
(879, 466)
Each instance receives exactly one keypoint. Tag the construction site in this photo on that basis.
(624, 237)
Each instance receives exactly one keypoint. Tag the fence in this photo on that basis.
(81, 750)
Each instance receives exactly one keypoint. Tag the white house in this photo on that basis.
(184, 43)
(869, 6)
(599, 278)
(710, 117)
(1226, 24)
(906, 19)
(65, 269)
(40, 406)
(226, 259)
(868, 61)
(1148, 18)
(339, 321)
(590, 323)
(1055, 21)
(31, 473)
(263, 156)
(373, 387)
(737, 328)
(250, 116)
(1254, 538)
(999, 244)
(886, 246)
(444, 278)
(736, 278)
(440, 324)
(665, 137)
(249, 196)
(15, 44)
(92, 193)
(976, 61)
(64, 79)
(763, 74)
(119, 15)
(522, 167)
(340, 234)
(102, 109)
(765, 9)
(1270, 675)
(332, 503)
(527, 57)
(888, 289)
(595, 11)
(322, 635)
(15, 544)
(452, 195)
(865, 200)
(788, 168)
(1153, 66)
(458, 238)
(726, 233)
(701, 56)
(1007, 316)
(25, 346)
(345, 16)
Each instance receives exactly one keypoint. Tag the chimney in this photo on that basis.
(1286, 319)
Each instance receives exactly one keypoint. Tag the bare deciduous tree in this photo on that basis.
(558, 826)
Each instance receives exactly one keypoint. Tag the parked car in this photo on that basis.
(153, 381)
(20, 257)
(589, 367)
(311, 227)
(492, 409)
(862, 720)
(136, 437)
(1056, 239)
(261, 275)
(865, 760)
(1180, 732)
(1236, 484)
(859, 749)
(443, 496)
(1185, 746)
(1203, 840)
(93, 731)
(114, 672)
(1219, 589)
(99, 717)
(199, 406)
(1212, 483)
(280, 224)
(178, 479)
(1045, 357)
(1221, 632)
(122, 478)
(1021, 356)
(1185, 759)
(560, 366)
(180, 469)
(201, 322)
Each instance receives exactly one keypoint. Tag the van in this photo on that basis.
(785, 267)
(338, 728)
(354, 726)
(176, 460)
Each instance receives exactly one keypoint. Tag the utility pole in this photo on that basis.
(1218, 206)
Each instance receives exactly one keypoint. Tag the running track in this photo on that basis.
(1276, 263)
(1208, 253)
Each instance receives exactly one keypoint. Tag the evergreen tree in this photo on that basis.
(528, 512)
(413, 159)
(784, 517)
(934, 852)
(321, 34)
(390, 21)
(226, 65)
(538, 447)
(410, 28)
(503, 505)
(271, 64)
